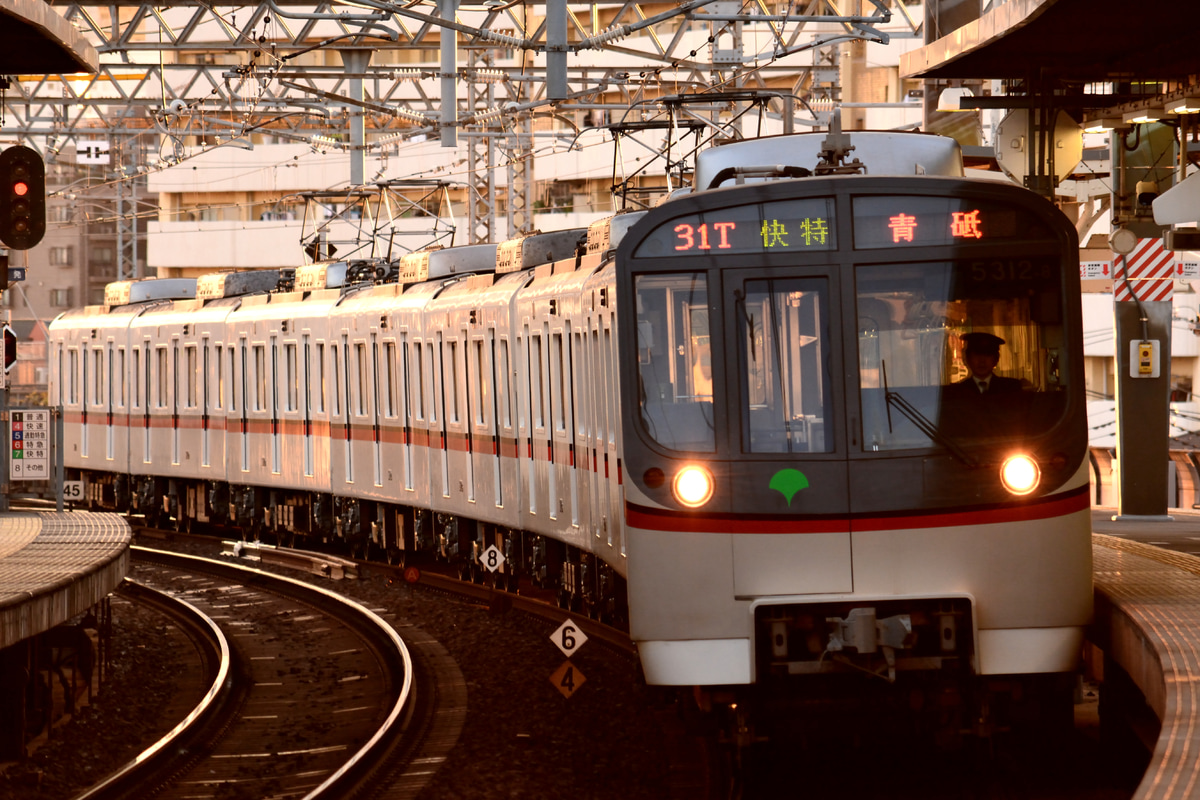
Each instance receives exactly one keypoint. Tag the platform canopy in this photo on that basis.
(1084, 40)
(35, 40)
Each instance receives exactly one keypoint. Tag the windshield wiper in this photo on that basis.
(923, 423)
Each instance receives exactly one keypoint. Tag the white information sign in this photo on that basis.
(568, 637)
(29, 431)
(492, 558)
(72, 491)
(91, 151)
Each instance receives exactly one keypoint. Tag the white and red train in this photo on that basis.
(732, 419)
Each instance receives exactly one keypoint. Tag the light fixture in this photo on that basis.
(1150, 114)
(1184, 105)
(693, 486)
(1020, 474)
(951, 99)
(1103, 124)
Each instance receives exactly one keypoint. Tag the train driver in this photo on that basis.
(980, 354)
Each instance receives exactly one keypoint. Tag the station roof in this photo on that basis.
(1066, 40)
(35, 40)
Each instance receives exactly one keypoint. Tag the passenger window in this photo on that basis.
(675, 360)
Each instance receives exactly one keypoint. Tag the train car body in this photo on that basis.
(794, 352)
(736, 421)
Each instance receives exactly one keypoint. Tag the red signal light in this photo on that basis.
(20, 188)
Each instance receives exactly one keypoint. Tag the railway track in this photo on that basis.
(310, 694)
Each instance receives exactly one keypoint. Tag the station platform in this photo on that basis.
(55, 565)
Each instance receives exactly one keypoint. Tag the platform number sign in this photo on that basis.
(567, 679)
(491, 558)
(568, 638)
(29, 432)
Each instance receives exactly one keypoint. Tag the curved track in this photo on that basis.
(311, 694)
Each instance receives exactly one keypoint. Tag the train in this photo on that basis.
(732, 422)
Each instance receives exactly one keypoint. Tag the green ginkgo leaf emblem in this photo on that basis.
(789, 481)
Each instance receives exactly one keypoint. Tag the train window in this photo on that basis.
(161, 355)
(321, 387)
(121, 373)
(913, 322)
(98, 375)
(136, 373)
(481, 388)
(337, 389)
(783, 332)
(449, 381)
(233, 395)
(537, 381)
(192, 376)
(558, 363)
(502, 390)
(433, 406)
(219, 366)
(73, 376)
(260, 377)
(291, 377)
(389, 361)
(360, 365)
(418, 386)
(675, 360)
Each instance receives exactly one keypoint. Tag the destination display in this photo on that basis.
(918, 221)
(788, 226)
(793, 226)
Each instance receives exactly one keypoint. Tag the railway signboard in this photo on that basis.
(567, 679)
(568, 638)
(492, 558)
(29, 435)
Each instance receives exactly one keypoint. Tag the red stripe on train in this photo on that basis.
(664, 520)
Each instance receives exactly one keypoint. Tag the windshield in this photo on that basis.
(675, 360)
(784, 342)
(963, 350)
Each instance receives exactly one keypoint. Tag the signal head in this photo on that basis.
(22, 198)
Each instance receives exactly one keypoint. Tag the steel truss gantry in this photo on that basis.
(190, 75)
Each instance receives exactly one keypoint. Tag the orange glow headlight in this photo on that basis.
(693, 486)
(1020, 474)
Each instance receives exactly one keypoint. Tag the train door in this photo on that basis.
(343, 380)
(489, 413)
(83, 443)
(205, 444)
(306, 356)
(437, 414)
(109, 402)
(376, 439)
(242, 392)
(174, 401)
(404, 395)
(506, 435)
(276, 439)
(468, 408)
(146, 383)
(784, 363)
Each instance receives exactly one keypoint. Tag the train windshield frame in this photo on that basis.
(869, 323)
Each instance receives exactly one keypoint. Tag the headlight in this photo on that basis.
(693, 486)
(1020, 474)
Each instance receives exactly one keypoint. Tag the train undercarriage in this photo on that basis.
(370, 530)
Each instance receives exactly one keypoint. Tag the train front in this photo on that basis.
(855, 440)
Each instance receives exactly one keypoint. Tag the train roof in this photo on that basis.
(605, 234)
(322, 275)
(881, 153)
(427, 265)
(536, 249)
(120, 293)
(234, 284)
